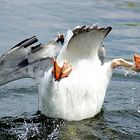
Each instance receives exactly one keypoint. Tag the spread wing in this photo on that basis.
(84, 42)
(26, 60)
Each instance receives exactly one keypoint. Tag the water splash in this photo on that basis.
(35, 126)
(128, 72)
(132, 95)
(28, 129)
(54, 134)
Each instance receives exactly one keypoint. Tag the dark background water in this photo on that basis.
(120, 116)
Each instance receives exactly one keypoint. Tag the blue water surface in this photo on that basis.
(120, 116)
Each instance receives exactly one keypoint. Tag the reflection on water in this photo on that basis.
(119, 118)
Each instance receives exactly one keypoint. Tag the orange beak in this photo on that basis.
(137, 61)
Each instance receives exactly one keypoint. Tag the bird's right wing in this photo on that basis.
(83, 43)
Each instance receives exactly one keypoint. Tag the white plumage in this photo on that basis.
(81, 94)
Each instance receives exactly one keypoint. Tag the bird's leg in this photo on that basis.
(61, 72)
(132, 66)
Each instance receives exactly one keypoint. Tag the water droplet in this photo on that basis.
(132, 100)
(132, 95)
(128, 71)
(139, 109)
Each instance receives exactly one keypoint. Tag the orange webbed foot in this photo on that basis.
(61, 72)
(137, 61)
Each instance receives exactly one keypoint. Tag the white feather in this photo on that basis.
(81, 94)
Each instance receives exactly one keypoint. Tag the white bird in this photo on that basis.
(71, 79)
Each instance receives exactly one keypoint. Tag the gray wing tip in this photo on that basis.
(107, 30)
(26, 42)
(81, 29)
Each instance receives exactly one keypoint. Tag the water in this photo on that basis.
(120, 116)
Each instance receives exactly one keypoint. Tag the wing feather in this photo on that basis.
(84, 43)
(26, 61)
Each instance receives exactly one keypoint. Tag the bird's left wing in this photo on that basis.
(26, 60)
